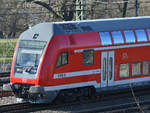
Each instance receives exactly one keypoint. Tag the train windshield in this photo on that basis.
(28, 56)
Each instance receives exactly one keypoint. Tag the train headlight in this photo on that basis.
(43, 95)
(19, 70)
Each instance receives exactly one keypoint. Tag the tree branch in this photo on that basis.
(48, 8)
(125, 8)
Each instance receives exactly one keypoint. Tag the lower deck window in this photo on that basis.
(110, 68)
(136, 68)
(124, 70)
(104, 69)
(145, 67)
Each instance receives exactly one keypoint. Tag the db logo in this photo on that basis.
(24, 80)
(124, 56)
(35, 36)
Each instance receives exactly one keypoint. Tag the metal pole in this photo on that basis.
(80, 9)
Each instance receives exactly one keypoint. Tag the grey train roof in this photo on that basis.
(49, 29)
(115, 24)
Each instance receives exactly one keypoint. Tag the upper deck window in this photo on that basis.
(148, 31)
(141, 35)
(129, 35)
(105, 38)
(118, 38)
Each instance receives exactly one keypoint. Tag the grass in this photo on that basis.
(5, 60)
(7, 47)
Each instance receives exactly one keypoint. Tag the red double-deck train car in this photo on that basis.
(80, 56)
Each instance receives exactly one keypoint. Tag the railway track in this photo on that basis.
(4, 79)
(126, 105)
(5, 93)
(126, 102)
(12, 108)
(4, 74)
(114, 103)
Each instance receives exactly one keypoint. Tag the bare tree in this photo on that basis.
(11, 21)
(125, 8)
(66, 8)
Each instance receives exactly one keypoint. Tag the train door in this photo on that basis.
(107, 68)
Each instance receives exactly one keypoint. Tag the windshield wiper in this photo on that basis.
(28, 69)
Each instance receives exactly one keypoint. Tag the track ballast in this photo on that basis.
(112, 103)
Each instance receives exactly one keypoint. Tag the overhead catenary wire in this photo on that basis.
(119, 2)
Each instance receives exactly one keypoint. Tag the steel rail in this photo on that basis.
(107, 104)
(5, 93)
(4, 74)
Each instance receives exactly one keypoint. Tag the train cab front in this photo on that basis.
(25, 72)
(25, 68)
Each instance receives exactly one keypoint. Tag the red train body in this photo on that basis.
(102, 54)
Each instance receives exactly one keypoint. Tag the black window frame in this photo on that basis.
(129, 36)
(83, 57)
(140, 69)
(148, 67)
(128, 71)
(105, 38)
(143, 38)
(61, 57)
(148, 33)
(115, 35)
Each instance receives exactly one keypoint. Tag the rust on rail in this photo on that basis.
(5, 93)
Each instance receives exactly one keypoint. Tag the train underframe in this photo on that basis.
(31, 93)
(36, 94)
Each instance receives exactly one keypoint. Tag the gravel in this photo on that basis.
(7, 100)
(12, 100)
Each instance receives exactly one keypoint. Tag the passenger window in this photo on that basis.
(124, 70)
(148, 31)
(88, 57)
(117, 37)
(145, 67)
(136, 68)
(110, 68)
(105, 38)
(62, 59)
(129, 35)
(58, 61)
(104, 69)
(141, 35)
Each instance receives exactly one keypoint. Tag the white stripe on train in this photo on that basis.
(95, 84)
(77, 73)
(113, 47)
